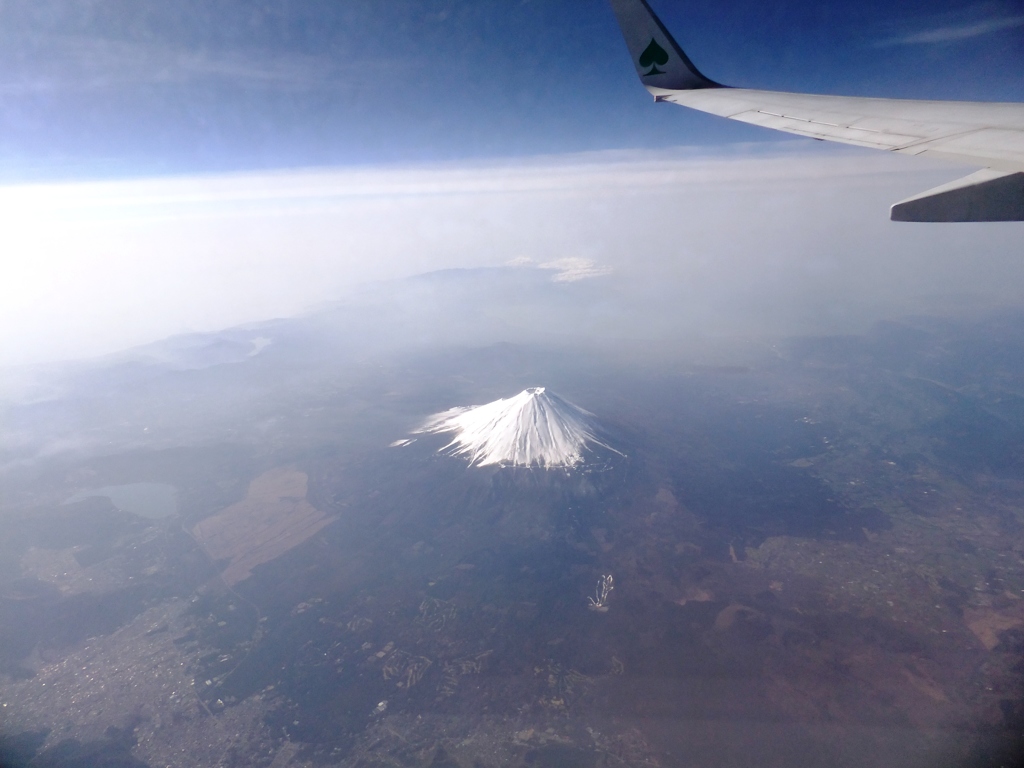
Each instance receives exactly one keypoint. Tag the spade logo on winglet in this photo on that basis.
(652, 57)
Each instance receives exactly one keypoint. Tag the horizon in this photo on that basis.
(166, 169)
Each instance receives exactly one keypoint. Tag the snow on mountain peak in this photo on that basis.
(536, 427)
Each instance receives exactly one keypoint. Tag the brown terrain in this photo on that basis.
(272, 519)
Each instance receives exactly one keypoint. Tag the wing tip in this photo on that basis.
(660, 62)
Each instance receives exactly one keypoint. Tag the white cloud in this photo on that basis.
(567, 269)
(571, 270)
(521, 261)
(955, 32)
(78, 62)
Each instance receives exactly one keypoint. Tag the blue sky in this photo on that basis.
(140, 87)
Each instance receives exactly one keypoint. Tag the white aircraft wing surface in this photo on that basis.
(989, 135)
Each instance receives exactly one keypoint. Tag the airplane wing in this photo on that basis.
(990, 135)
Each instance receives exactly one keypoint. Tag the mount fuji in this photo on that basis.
(534, 428)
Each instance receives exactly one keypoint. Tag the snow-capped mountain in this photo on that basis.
(534, 428)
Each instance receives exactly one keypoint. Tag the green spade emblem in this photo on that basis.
(652, 57)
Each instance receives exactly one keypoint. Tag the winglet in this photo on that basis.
(659, 60)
